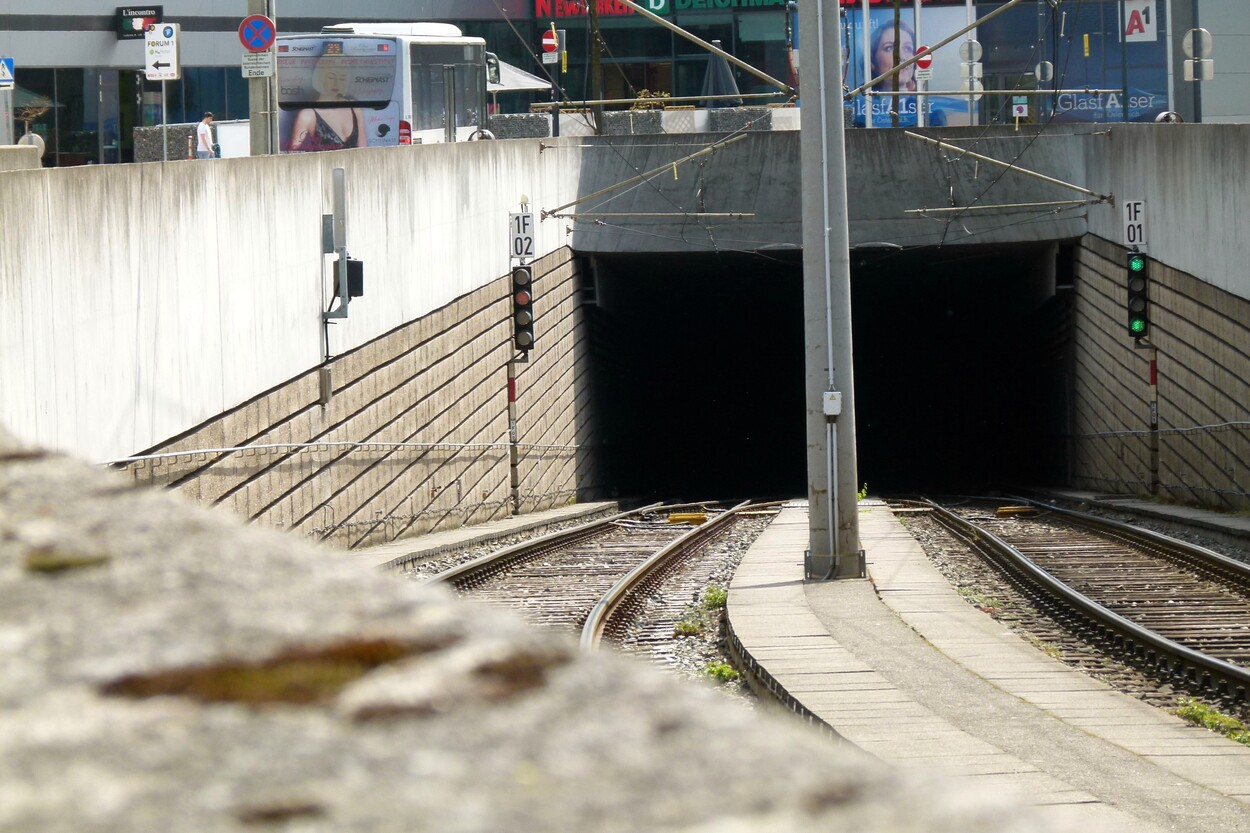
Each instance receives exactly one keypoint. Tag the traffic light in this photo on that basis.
(1138, 302)
(523, 307)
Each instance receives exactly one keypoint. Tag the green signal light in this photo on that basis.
(1137, 325)
(1136, 263)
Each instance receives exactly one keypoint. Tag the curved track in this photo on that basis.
(595, 577)
(1179, 608)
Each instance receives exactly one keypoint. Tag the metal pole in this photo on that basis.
(831, 464)
(262, 94)
(7, 128)
(1154, 420)
(514, 455)
(164, 122)
(922, 115)
(1197, 79)
(866, 39)
(1123, 68)
(970, 14)
(596, 65)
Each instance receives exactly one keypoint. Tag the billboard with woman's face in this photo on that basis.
(869, 52)
(1091, 46)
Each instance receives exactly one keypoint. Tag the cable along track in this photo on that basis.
(591, 572)
(1180, 608)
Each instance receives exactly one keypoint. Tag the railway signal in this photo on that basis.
(523, 307)
(1138, 300)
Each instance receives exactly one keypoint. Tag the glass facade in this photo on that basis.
(86, 115)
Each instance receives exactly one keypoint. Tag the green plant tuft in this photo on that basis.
(862, 494)
(715, 598)
(1201, 714)
(688, 626)
(721, 672)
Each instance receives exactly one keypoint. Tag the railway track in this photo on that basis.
(624, 579)
(1175, 608)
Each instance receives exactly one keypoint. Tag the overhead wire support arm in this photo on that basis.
(547, 105)
(1012, 167)
(1085, 91)
(692, 215)
(668, 166)
(1015, 206)
(905, 64)
(742, 65)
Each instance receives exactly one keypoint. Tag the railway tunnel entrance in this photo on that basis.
(959, 370)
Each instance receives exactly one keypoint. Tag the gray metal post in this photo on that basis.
(831, 464)
(922, 106)
(7, 131)
(164, 122)
(262, 110)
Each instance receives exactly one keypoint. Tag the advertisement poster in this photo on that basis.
(337, 93)
(1093, 46)
(937, 24)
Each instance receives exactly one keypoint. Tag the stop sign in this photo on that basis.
(550, 41)
(924, 58)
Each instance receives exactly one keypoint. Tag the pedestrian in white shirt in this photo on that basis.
(204, 138)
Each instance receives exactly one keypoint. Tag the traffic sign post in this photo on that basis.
(924, 64)
(162, 62)
(553, 50)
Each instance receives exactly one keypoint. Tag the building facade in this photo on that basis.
(80, 82)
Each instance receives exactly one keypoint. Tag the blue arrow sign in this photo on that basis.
(6, 73)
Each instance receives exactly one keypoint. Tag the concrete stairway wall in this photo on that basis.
(439, 386)
(1202, 334)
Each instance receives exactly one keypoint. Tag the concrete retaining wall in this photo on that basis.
(139, 301)
(416, 435)
(1202, 334)
(1194, 179)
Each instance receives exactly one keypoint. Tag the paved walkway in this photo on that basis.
(916, 676)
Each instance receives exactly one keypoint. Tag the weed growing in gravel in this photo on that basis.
(721, 672)
(1200, 714)
(1050, 649)
(988, 604)
(862, 494)
(688, 625)
(715, 598)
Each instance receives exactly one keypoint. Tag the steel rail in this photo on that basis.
(1225, 677)
(501, 559)
(592, 631)
(1195, 555)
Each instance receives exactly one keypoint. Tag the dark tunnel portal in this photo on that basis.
(699, 373)
(699, 376)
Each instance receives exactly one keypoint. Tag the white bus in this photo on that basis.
(381, 84)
